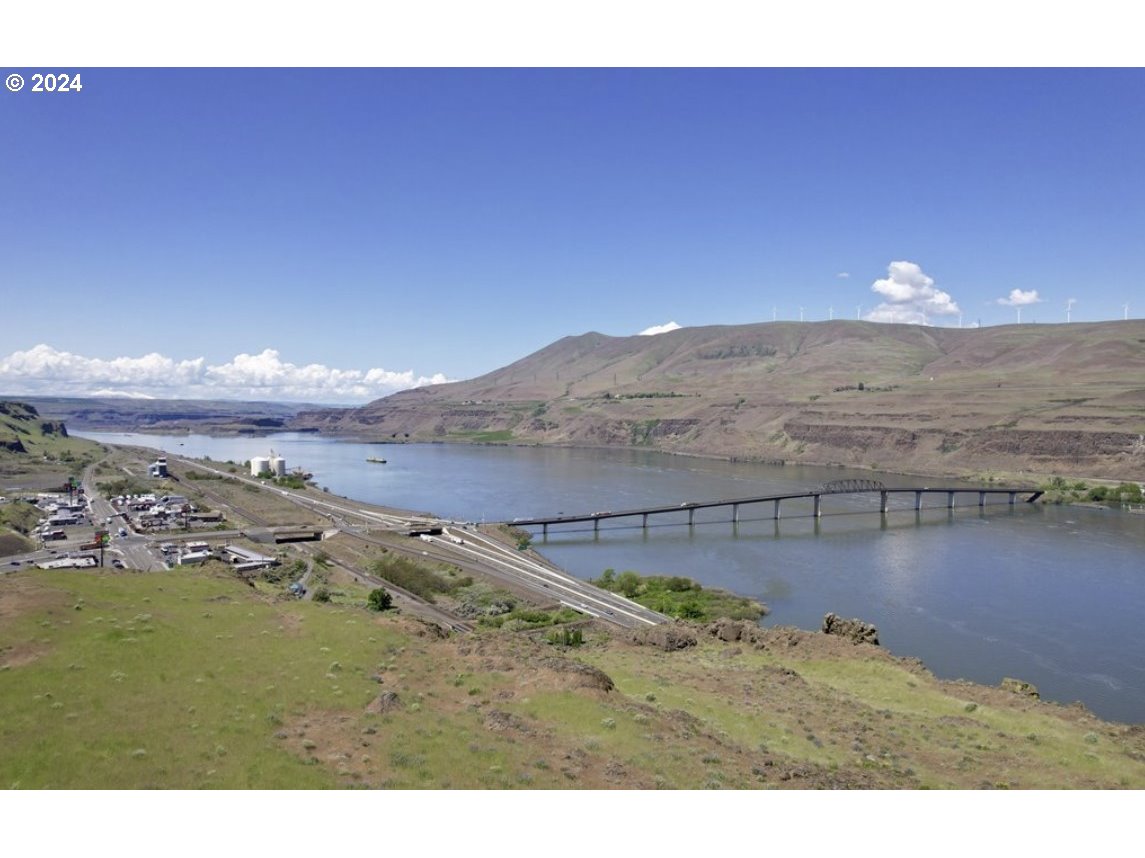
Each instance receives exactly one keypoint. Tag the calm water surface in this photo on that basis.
(1051, 595)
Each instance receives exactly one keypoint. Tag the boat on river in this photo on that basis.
(375, 460)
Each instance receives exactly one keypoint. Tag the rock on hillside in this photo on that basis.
(20, 423)
(1064, 399)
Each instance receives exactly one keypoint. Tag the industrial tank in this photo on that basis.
(259, 466)
(278, 466)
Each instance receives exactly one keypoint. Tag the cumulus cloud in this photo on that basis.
(659, 329)
(48, 371)
(843, 275)
(1018, 298)
(910, 297)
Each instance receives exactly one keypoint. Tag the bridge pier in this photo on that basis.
(815, 494)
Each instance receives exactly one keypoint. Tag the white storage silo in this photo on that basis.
(278, 466)
(259, 466)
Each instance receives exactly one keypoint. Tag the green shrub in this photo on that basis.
(678, 596)
(566, 637)
(417, 578)
(379, 600)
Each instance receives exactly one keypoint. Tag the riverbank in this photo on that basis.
(1042, 593)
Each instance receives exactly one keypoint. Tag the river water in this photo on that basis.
(1047, 594)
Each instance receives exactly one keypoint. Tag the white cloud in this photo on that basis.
(659, 329)
(910, 297)
(122, 394)
(843, 275)
(1018, 298)
(47, 371)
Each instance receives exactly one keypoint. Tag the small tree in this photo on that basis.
(379, 600)
(679, 584)
(566, 637)
(690, 610)
(321, 595)
(1128, 492)
(628, 584)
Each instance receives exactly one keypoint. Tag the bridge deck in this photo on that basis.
(815, 494)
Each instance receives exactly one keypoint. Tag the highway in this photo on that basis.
(466, 547)
(462, 545)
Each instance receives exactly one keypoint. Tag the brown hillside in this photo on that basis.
(1048, 398)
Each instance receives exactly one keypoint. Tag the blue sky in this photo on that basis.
(333, 235)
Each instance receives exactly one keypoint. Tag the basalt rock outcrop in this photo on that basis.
(854, 630)
(667, 636)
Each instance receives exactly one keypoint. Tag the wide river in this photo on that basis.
(1047, 594)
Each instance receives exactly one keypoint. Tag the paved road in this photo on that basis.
(471, 550)
(463, 546)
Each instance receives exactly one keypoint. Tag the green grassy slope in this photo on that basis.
(191, 679)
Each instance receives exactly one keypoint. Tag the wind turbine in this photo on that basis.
(1068, 308)
(831, 314)
(1126, 308)
(773, 313)
(1019, 309)
(801, 313)
(858, 312)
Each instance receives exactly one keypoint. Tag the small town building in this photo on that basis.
(245, 560)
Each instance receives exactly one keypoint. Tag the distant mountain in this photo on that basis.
(121, 414)
(1064, 399)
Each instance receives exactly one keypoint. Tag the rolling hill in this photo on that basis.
(1063, 399)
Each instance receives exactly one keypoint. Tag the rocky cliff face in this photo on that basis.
(1064, 399)
(20, 422)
